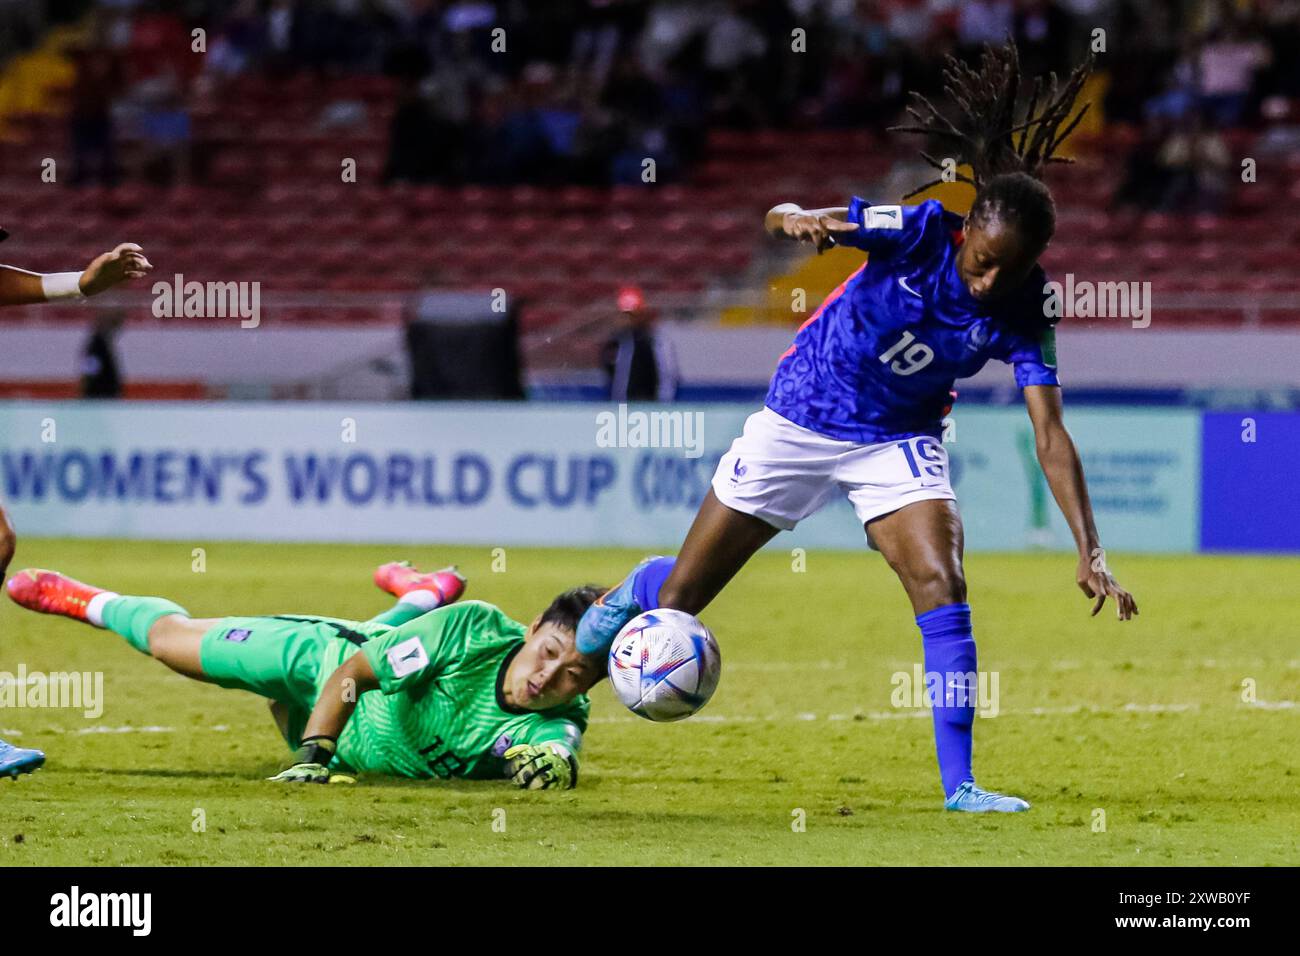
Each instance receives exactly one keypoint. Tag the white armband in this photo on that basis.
(62, 285)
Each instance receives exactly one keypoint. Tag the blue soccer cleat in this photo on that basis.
(603, 620)
(973, 799)
(16, 760)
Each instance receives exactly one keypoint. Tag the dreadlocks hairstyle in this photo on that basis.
(1006, 170)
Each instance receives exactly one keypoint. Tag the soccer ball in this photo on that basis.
(664, 665)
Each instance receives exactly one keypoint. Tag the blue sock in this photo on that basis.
(645, 589)
(950, 649)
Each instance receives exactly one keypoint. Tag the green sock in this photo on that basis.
(133, 616)
(398, 614)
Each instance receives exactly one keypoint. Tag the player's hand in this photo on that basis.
(818, 230)
(538, 768)
(127, 261)
(303, 773)
(1098, 583)
(310, 763)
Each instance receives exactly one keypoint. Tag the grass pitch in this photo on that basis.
(1168, 740)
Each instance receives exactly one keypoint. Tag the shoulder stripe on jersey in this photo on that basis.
(835, 294)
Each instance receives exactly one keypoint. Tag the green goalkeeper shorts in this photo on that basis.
(277, 657)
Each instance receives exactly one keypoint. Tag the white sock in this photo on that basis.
(95, 608)
(424, 600)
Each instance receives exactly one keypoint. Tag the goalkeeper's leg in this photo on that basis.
(275, 658)
(154, 626)
(417, 592)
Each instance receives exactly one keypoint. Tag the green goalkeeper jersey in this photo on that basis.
(439, 710)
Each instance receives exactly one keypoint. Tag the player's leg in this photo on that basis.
(773, 476)
(271, 657)
(902, 495)
(417, 592)
(154, 626)
(280, 714)
(719, 544)
(924, 543)
(177, 641)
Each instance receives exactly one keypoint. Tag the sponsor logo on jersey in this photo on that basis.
(883, 217)
(407, 657)
(902, 280)
(237, 634)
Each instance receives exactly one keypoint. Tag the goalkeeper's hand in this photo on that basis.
(540, 768)
(310, 763)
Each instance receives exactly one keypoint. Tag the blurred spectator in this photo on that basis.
(1228, 62)
(99, 372)
(1281, 26)
(236, 43)
(984, 21)
(511, 144)
(640, 362)
(1042, 36)
(97, 80)
(584, 91)
(1195, 161)
(1177, 98)
(1142, 66)
(910, 21)
(159, 46)
(1144, 180)
(21, 22)
(424, 146)
(161, 126)
(600, 34)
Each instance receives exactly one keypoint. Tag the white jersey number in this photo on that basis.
(913, 360)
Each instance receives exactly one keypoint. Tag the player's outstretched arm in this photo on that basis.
(1064, 472)
(20, 287)
(337, 700)
(816, 226)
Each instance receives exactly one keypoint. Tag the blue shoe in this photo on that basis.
(603, 620)
(16, 760)
(973, 799)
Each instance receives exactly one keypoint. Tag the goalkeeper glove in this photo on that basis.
(310, 764)
(541, 768)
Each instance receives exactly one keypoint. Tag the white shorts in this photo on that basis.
(782, 472)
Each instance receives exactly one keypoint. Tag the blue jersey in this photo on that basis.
(877, 361)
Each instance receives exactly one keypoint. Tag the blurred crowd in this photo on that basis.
(511, 91)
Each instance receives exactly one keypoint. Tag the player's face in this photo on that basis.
(549, 671)
(994, 260)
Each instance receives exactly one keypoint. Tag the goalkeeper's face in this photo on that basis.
(549, 671)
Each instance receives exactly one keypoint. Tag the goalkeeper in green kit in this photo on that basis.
(429, 689)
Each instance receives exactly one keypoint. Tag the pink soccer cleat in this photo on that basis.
(51, 593)
(401, 577)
